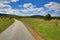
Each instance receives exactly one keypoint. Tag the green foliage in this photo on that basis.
(48, 17)
(47, 29)
(5, 22)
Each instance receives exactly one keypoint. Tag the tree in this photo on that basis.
(48, 17)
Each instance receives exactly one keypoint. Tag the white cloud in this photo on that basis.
(28, 5)
(7, 1)
(2, 6)
(14, 0)
(30, 9)
(53, 6)
(16, 12)
(7, 9)
(10, 11)
(20, 5)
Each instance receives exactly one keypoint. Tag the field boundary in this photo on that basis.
(36, 35)
(7, 26)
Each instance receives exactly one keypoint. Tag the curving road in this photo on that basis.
(17, 31)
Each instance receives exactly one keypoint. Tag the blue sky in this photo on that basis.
(30, 7)
(38, 3)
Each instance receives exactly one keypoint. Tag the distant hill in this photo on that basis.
(37, 16)
(3, 14)
(33, 16)
(9, 16)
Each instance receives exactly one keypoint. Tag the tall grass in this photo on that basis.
(5, 22)
(47, 29)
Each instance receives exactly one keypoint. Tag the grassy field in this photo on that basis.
(47, 29)
(5, 22)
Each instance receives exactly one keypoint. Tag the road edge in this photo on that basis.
(37, 37)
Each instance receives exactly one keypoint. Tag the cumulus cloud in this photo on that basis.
(31, 9)
(53, 6)
(34, 11)
(3, 6)
(28, 5)
(7, 1)
(14, 0)
(7, 9)
(16, 12)
(10, 11)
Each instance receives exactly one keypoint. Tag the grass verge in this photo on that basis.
(37, 37)
(5, 22)
(47, 29)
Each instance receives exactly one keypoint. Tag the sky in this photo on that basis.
(30, 7)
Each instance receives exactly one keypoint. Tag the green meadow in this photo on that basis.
(5, 22)
(48, 29)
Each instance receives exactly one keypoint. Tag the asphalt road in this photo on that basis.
(17, 31)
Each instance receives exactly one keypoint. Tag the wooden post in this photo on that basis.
(56, 22)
